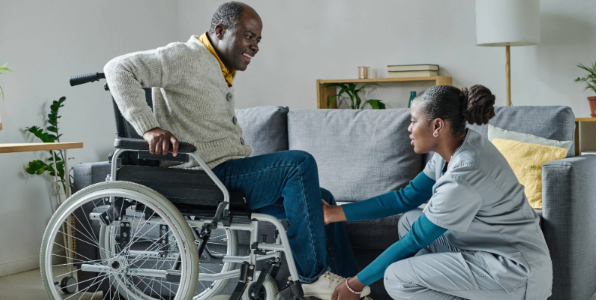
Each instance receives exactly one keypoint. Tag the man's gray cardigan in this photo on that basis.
(190, 96)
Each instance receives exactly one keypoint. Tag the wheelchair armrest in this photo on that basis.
(139, 144)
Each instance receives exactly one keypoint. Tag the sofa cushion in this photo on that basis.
(360, 153)
(549, 122)
(264, 128)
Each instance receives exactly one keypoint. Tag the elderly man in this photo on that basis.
(194, 102)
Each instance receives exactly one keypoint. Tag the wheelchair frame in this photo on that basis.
(222, 219)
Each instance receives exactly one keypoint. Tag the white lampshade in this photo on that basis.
(507, 22)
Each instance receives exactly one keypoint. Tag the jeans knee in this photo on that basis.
(299, 157)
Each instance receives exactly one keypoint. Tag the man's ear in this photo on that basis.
(220, 31)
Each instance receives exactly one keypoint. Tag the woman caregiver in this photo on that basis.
(478, 237)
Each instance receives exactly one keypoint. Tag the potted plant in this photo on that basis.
(590, 80)
(352, 91)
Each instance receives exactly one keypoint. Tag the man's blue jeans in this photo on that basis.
(286, 185)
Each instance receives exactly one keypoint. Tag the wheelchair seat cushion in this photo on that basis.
(188, 189)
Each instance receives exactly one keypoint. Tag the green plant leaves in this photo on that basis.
(353, 94)
(375, 104)
(40, 134)
(51, 135)
(590, 80)
(37, 167)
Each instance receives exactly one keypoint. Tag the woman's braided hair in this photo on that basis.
(474, 105)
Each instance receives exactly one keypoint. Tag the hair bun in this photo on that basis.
(480, 104)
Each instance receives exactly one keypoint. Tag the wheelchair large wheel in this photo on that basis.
(135, 260)
(221, 242)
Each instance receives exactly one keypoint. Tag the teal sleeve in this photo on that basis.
(421, 234)
(414, 194)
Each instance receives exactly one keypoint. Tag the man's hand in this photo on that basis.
(159, 139)
(342, 292)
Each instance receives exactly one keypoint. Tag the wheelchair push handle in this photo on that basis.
(81, 79)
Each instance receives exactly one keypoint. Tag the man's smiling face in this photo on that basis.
(239, 45)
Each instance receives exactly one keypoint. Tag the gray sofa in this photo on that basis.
(362, 154)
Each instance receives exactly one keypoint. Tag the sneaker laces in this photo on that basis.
(333, 278)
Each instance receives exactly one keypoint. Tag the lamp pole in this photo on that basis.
(508, 102)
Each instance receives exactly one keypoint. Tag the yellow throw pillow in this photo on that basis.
(526, 160)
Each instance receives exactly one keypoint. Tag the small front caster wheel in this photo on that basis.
(68, 285)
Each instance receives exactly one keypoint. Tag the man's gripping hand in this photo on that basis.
(159, 139)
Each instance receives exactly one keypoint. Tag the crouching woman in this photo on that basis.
(478, 237)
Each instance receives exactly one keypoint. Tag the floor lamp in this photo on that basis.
(505, 23)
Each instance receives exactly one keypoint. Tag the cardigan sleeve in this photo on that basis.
(127, 75)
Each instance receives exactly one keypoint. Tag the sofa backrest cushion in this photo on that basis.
(359, 153)
(550, 122)
(264, 128)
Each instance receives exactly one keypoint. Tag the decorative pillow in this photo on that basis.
(526, 160)
(499, 133)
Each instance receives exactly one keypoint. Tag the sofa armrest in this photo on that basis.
(86, 174)
(569, 224)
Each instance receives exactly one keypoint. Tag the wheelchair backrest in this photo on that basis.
(124, 128)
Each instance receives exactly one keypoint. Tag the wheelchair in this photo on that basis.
(162, 233)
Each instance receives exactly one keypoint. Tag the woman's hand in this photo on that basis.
(342, 292)
(332, 213)
(326, 207)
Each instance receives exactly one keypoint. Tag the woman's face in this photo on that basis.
(421, 132)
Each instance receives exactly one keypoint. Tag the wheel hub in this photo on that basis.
(116, 265)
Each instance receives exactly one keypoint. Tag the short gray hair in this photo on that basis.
(229, 14)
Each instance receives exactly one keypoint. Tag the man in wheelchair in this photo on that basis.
(192, 91)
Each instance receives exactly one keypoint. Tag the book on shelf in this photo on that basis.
(400, 68)
(405, 74)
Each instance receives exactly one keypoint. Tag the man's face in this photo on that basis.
(239, 45)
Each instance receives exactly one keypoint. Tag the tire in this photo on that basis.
(205, 289)
(121, 267)
(222, 241)
(268, 291)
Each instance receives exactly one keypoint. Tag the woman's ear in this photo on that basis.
(438, 125)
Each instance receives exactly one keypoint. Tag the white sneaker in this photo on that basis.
(324, 286)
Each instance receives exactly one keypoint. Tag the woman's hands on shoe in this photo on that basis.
(332, 213)
(342, 292)
(159, 140)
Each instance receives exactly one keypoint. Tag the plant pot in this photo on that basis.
(592, 105)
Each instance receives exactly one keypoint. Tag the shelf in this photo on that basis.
(323, 93)
(378, 80)
(25, 147)
(585, 119)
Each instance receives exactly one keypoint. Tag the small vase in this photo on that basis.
(592, 105)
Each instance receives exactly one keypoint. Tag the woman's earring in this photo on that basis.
(435, 134)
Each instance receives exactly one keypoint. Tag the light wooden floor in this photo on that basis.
(28, 286)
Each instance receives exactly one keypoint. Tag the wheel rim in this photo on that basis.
(220, 243)
(119, 266)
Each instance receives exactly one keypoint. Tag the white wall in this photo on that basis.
(45, 42)
(308, 40)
